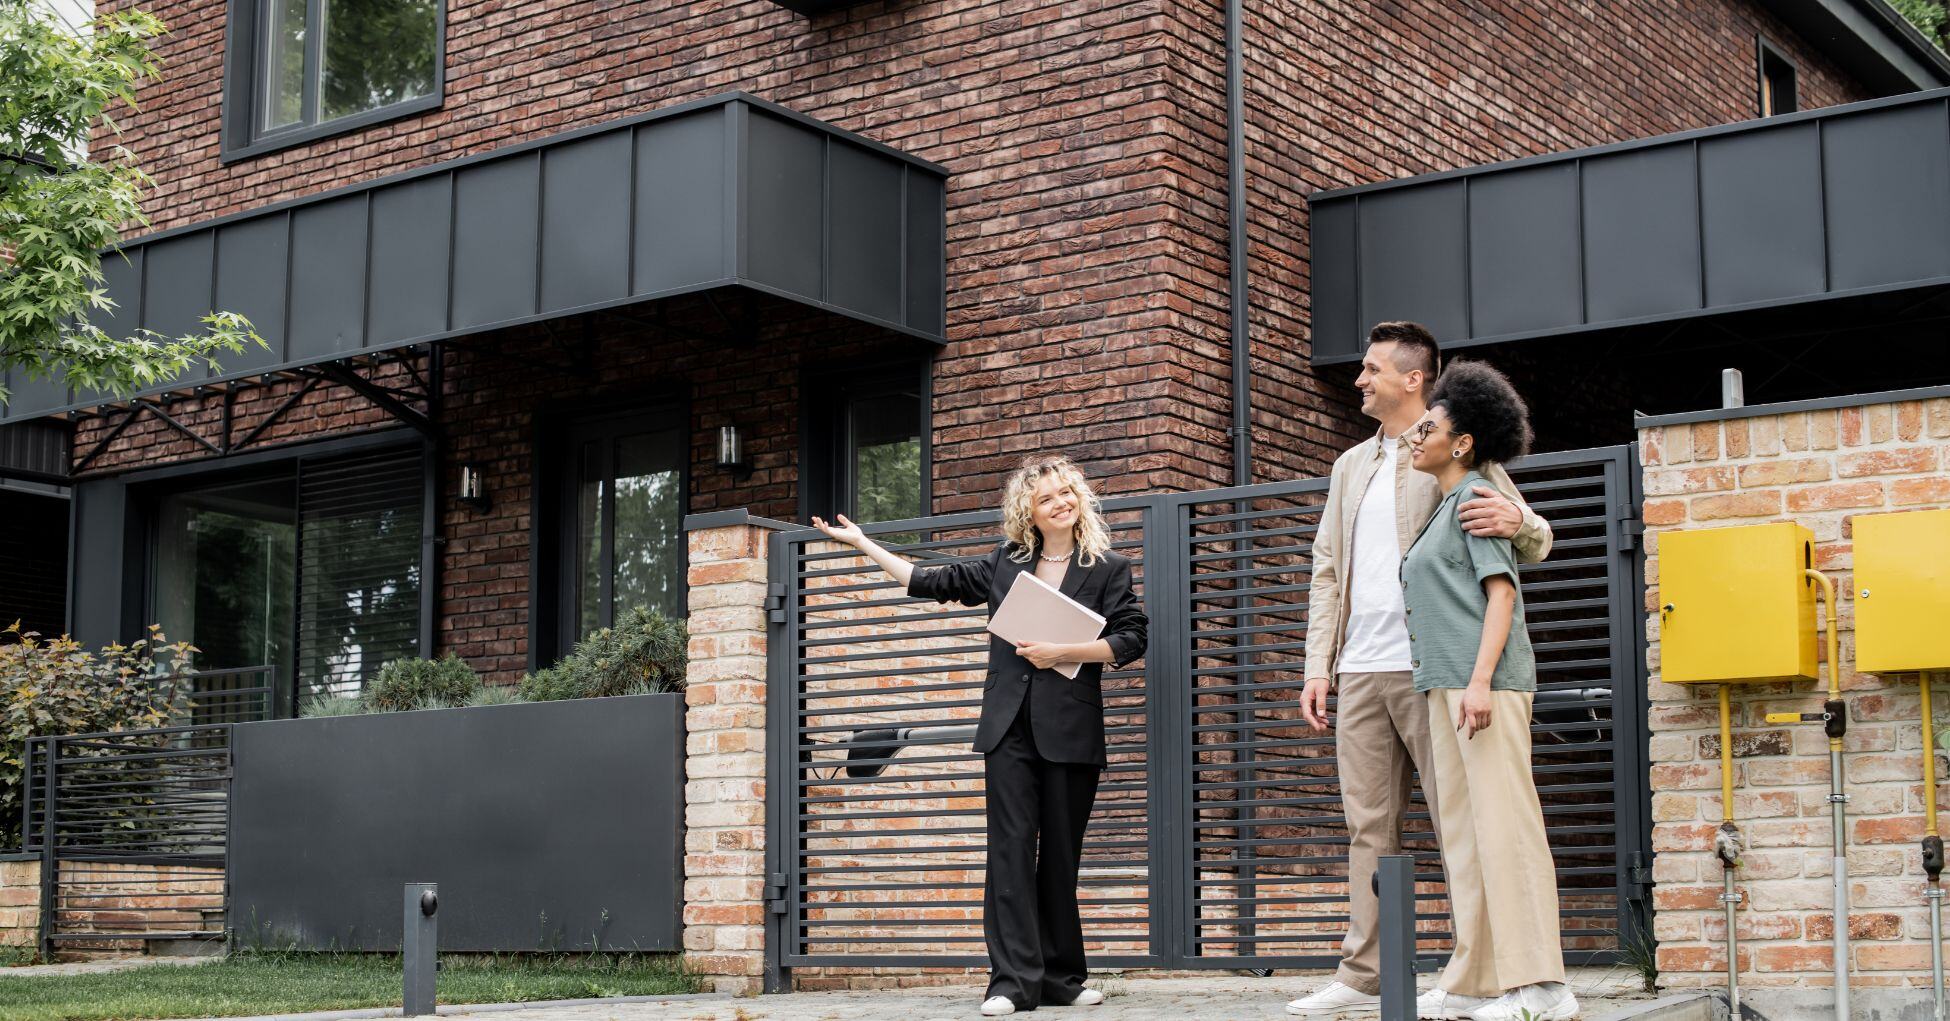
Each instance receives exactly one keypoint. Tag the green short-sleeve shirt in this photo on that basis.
(1442, 585)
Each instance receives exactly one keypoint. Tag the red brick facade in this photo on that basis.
(1086, 255)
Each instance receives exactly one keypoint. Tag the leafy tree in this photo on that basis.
(1930, 17)
(59, 207)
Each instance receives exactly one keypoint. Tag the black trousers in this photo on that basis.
(1037, 811)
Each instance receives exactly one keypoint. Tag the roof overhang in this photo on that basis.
(1870, 40)
(1827, 204)
(730, 191)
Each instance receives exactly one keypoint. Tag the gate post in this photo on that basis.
(51, 749)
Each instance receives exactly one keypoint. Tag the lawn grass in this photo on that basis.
(262, 982)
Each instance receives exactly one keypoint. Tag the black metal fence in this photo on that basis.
(132, 829)
(1218, 838)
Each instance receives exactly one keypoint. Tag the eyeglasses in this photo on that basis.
(1421, 430)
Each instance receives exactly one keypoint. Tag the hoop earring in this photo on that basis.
(1454, 454)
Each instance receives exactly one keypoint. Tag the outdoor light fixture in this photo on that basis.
(731, 451)
(473, 486)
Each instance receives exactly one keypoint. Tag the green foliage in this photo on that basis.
(333, 705)
(644, 652)
(406, 684)
(497, 694)
(1929, 16)
(59, 208)
(57, 687)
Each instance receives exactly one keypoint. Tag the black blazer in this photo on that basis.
(1066, 716)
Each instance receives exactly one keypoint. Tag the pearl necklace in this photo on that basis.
(1064, 559)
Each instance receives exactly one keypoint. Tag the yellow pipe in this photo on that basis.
(1929, 762)
(1726, 756)
(1834, 644)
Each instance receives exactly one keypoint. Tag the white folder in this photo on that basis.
(1034, 611)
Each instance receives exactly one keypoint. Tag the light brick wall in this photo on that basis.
(1820, 469)
(724, 790)
(20, 903)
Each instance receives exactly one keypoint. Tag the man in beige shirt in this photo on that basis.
(1358, 638)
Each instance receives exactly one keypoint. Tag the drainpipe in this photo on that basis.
(1835, 722)
(1242, 435)
(1727, 845)
(1932, 852)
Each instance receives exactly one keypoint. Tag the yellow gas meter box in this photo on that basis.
(1902, 591)
(1736, 604)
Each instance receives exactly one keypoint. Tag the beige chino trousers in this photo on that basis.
(1502, 882)
(1381, 733)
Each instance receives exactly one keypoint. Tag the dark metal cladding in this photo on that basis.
(730, 191)
(1804, 207)
(548, 826)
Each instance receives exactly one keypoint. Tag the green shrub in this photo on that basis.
(333, 705)
(644, 652)
(406, 684)
(497, 694)
(56, 687)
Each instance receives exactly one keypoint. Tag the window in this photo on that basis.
(619, 522)
(1776, 80)
(867, 444)
(302, 69)
(304, 575)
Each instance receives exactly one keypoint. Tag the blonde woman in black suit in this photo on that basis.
(1041, 733)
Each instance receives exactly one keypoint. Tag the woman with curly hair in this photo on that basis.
(1041, 733)
(1471, 654)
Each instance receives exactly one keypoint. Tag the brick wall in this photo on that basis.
(20, 903)
(1086, 242)
(1820, 469)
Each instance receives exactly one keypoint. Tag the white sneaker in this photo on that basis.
(996, 1006)
(1087, 998)
(1440, 1005)
(1543, 1001)
(1334, 999)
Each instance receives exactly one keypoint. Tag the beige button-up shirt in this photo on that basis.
(1416, 497)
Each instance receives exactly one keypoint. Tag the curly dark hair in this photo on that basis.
(1481, 402)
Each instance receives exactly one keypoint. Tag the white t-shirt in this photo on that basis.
(1377, 628)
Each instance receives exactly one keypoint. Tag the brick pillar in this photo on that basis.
(724, 796)
(20, 902)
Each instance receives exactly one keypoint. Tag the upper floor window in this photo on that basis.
(297, 70)
(1776, 80)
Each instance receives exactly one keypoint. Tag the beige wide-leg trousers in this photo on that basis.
(1380, 734)
(1502, 882)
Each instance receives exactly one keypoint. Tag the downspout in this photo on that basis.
(1242, 434)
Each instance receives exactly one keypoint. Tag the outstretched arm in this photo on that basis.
(849, 533)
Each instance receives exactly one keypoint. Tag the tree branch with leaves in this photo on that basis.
(60, 208)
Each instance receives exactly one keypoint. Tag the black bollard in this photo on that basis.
(1394, 880)
(420, 948)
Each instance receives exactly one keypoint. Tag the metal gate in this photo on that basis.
(131, 828)
(1217, 839)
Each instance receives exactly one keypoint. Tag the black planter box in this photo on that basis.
(548, 825)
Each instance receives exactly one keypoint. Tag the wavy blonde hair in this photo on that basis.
(1019, 505)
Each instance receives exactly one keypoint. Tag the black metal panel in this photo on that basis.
(410, 250)
(176, 287)
(723, 192)
(863, 250)
(1524, 272)
(122, 283)
(96, 590)
(1411, 266)
(1337, 330)
(1888, 183)
(1641, 233)
(926, 304)
(585, 236)
(1813, 206)
(550, 825)
(251, 264)
(495, 211)
(28, 396)
(328, 278)
(683, 191)
(784, 204)
(1760, 209)
(36, 451)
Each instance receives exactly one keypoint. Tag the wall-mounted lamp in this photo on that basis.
(731, 452)
(473, 486)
